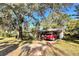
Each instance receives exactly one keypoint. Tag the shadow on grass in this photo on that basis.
(72, 39)
(1, 38)
(8, 49)
(3, 46)
(28, 39)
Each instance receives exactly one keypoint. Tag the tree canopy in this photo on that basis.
(47, 15)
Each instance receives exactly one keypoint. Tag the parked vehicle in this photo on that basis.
(50, 34)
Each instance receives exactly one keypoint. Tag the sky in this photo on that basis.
(69, 11)
(37, 16)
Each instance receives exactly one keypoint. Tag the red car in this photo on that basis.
(49, 37)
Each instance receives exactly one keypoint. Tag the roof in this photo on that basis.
(53, 29)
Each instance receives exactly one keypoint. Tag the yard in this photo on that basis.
(14, 47)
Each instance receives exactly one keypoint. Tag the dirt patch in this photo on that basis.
(42, 48)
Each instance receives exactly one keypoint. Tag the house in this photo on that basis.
(51, 34)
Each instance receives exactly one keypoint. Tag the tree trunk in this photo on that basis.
(20, 33)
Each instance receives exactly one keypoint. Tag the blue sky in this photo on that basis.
(38, 17)
(69, 11)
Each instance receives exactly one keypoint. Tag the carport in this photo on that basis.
(56, 33)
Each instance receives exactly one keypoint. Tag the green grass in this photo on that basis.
(7, 39)
(69, 47)
(13, 40)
